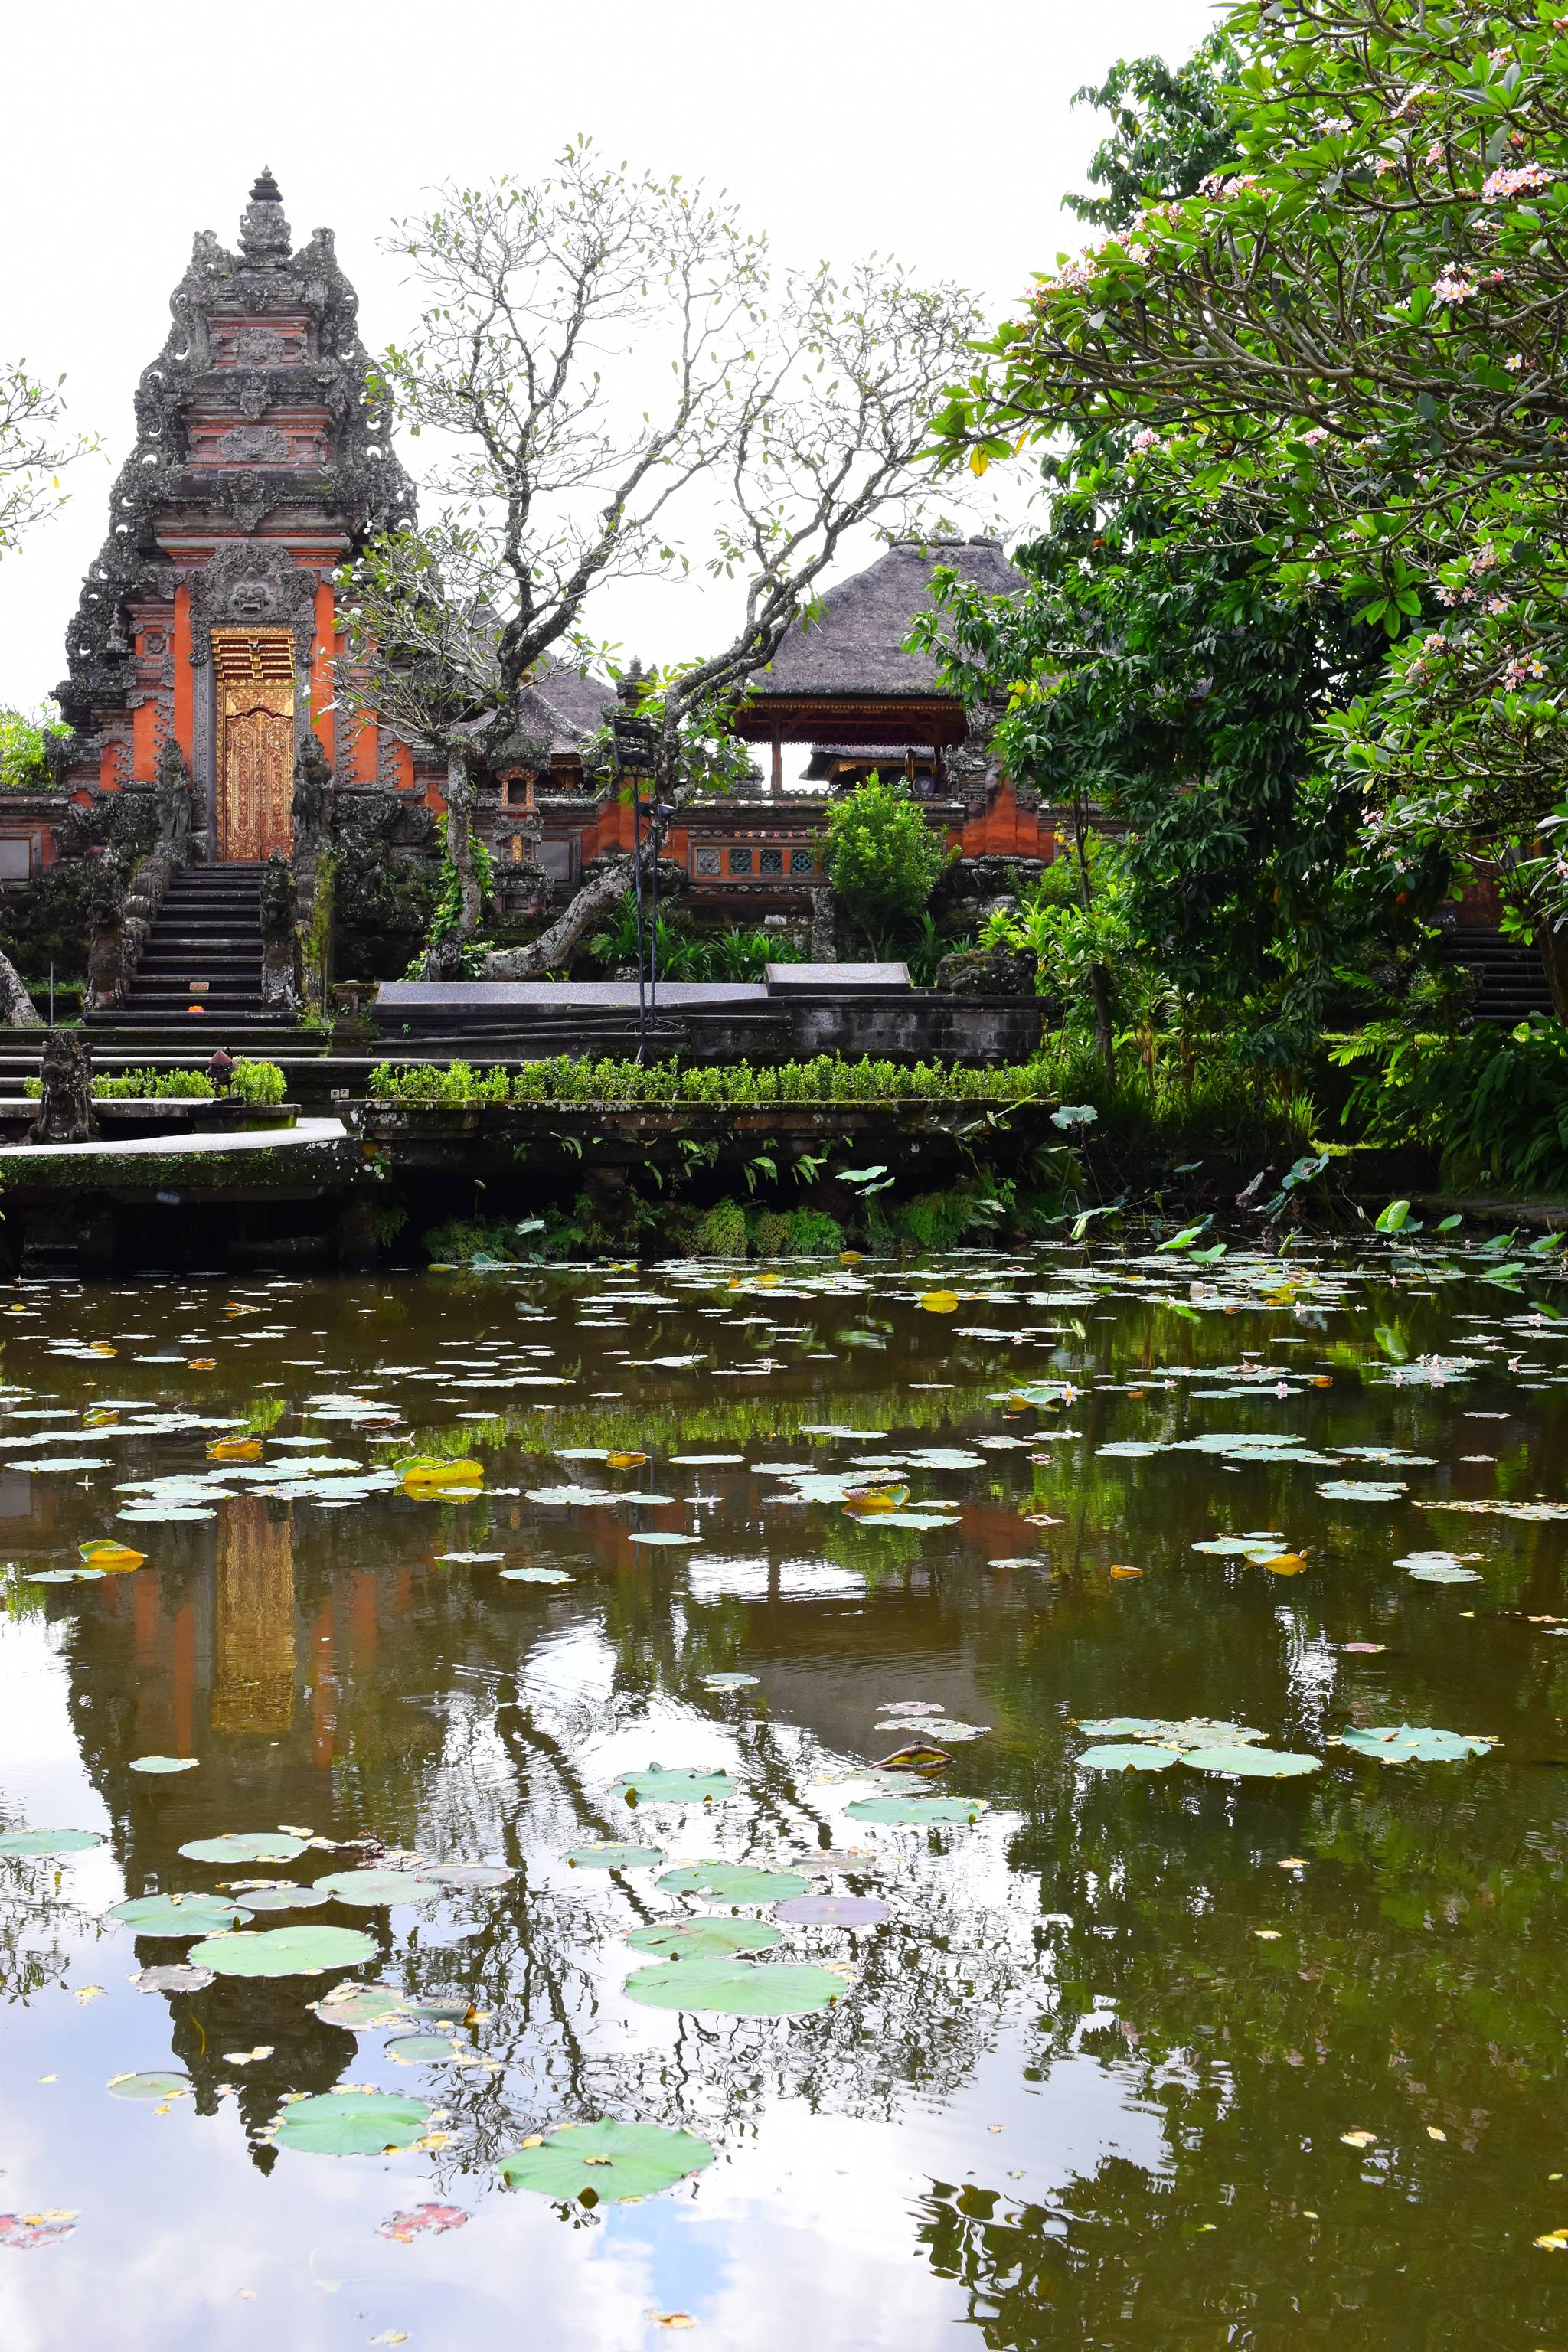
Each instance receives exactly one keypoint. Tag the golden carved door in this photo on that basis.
(254, 671)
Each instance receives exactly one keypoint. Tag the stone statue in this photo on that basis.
(172, 795)
(279, 939)
(65, 1112)
(313, 799)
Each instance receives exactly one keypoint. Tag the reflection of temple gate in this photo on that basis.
(254, 673)
(253, 1662)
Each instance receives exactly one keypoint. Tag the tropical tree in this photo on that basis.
(35, 450)
(591, 347)
(883, 859)
(1356, 335)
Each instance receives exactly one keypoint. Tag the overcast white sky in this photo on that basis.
(842, 126)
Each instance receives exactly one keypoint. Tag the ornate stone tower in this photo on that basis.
(207, 619)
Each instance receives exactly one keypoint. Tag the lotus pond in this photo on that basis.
(1021, 1799)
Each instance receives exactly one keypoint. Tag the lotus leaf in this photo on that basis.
(676, 1786)
(916, 1813)
(1362, 1490)
(606, 2162)
(285, 1898)
(362, 2008)
(424, 2049)
(34, 1843)
(245, 1845)
(735, 1987)
(149, 2086)
(675, 1939)
(179, 1915)
(465, 1873)
(535, 1576)
(164, 1763)
(615, 1857)
(1409, 1743)
(352, 2123)
(1438, 1571)
(660, 1535)
(732, 1882)
(1252, 1763)
(1129, 1756)
(303, 1951)
(727, 1681)
(372, 1888)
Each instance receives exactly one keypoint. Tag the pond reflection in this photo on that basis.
(1137, 2058)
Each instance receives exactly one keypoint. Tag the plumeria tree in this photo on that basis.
(1353, 335)
(35, 447)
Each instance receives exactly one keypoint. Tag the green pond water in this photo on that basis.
(1188, 2045)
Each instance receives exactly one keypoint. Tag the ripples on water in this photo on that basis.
(1087, 2085)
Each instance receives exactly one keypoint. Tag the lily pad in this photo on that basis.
(615, 1857)
(1130, 1756)
(174, 1976)
(424, 2049)
(660, 1536)
(916, 1813)
(735, 1987)
(465, 1873)
(676, 1939)
(729, 1682)
(734, 1882)
(1252, 1763)
(179, 1915)
(476, 1558)
(536, 1576)
(606, 2162)
(1362, 1490)
(246, 1845)
(372, 1888)
(156, 2086)
(285, 1898)
(1442, 1571)
(164, 1763)
(675, 1787)
(303, 1951)
(34, 1843)
(352, 2123)
(833, 1911)
(362, 2008)
(1410, 1743)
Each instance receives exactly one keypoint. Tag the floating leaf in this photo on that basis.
(1129, 1756)
(179, 1915)
(674, 1939)
(434, 1470)
(38, 1843)
(469, 1558)
(915, 1812)
(604, 2163)
(940, 1302)
(1252, 1763)
(729, 1682)
(352, 2123)
(164, 1763)
(372, 1888)
(660, 1536)
(1409, 1743)
(735, 1987)
(110, 1558)
(246, 1845)
(1362, 1490)
(1442, 1571)
(424, 2050)
(658, 1786)
(732, 1882)
(615, 1857)
(535, 1575)
(174, 1976)
(303, 1951)
(284, 1898)
(362, 2008)
(149, 2086)
(465, 1873)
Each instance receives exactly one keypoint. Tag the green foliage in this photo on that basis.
(722, 1232)
(1173, 125)
(828, 1079)
(258, 1082)
(883, 858)
(684, 953)
(447, 916)
(145, 1086)
(50, 921)
(24, 755)
(1493, 1102)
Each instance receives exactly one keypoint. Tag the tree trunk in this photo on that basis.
(16, 1004)
(553, 948)
(1104, 1029)
(460, 800)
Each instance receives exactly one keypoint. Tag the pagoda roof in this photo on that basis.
(853, 650)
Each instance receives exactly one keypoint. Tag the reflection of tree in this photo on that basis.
(40, 1928)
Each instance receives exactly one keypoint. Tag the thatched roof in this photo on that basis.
(563, 705)
(856, 646)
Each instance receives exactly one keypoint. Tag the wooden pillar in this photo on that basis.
(778, 766)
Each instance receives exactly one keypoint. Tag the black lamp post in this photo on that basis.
(635, 759)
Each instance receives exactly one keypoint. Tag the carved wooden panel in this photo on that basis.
(255, 679)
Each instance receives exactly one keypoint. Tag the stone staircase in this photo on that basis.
(204, 950)
(1512, 983)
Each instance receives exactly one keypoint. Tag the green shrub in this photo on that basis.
(722, 1232)
(729, 1085)
(258, 1082)
(1493, 1103)
(142, 1084)
(814, 1233)
(768, 1231)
